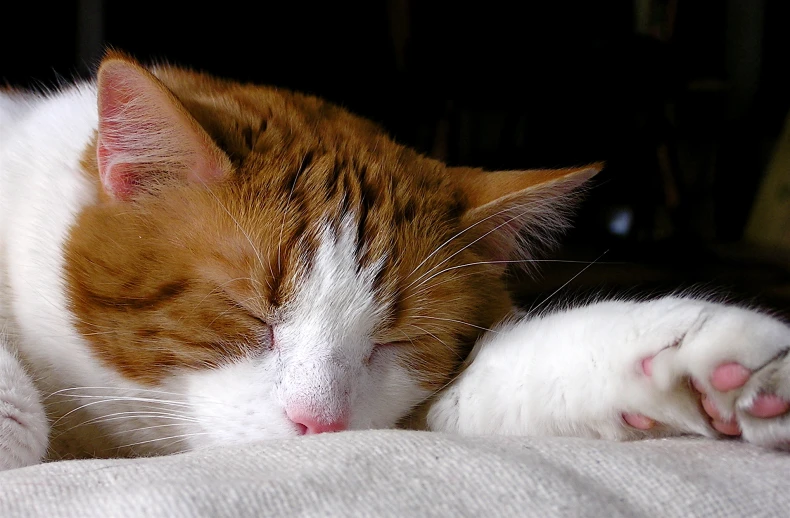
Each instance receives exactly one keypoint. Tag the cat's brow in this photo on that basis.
(285, 211)
(239, 226)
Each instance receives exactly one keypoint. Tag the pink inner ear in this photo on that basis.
(145, 133)
(117, 179)
(121, 183)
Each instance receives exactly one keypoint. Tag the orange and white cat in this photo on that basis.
(187, 261)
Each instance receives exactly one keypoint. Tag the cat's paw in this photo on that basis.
(760, 414)
(23, 423)
(738, 362)
(21, 444)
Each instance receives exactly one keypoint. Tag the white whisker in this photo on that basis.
(439, 340)
(515, 261)
(119, 416)
(531, 311)
(451, 239)
(130, 398)
(179, 436)
(150, 391)
(459, 322)
(135, 430)
(496, 228)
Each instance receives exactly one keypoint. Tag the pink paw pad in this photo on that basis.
(729, 376)
(725, 426)
(639, 421)
(647, 366)
(768, 405)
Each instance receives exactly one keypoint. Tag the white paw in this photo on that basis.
(23, 423)
(738, 360)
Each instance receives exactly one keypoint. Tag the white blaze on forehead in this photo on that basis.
(325, 334)
(335, 301)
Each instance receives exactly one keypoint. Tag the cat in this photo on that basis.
(187, 261)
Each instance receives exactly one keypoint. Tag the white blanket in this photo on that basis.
(399, 473)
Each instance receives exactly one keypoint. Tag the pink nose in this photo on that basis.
(308, 425)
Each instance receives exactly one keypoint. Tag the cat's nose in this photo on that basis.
(307, 424)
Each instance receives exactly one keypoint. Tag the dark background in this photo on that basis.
(683, 99)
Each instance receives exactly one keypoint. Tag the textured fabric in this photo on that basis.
(398, 473)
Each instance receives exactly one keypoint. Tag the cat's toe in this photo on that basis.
(639, 421)
(763, 406)
(723, 425)
(23, 422)
(728, 428)
(768, 406)
(20, 444)
(729, 376)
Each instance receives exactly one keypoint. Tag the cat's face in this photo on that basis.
(279, 264)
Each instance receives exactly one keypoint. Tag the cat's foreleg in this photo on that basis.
(590, 371)
(23, 423)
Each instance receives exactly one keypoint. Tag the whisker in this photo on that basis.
(173, 443)
(118, 416)
(150, 391)
(439, 340)
(118, 433)
(81, 407)
(531, 311)
(179, 436)
(514, 261)
(451, 239)
(458, 322)
(449, 382)
(130, 398)
(407, 337)
(496, 228)
(134, 430)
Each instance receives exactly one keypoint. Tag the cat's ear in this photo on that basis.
(146, 137)
(510, 212)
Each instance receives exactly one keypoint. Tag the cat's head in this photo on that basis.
(281, 263)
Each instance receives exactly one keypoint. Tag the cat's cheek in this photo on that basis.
(393, 391)
(235, 404)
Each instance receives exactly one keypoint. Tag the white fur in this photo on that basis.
(575, 372)
(23, 426)
(40, 193)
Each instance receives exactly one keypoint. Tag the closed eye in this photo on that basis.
(272, 342)
(377, 347)
(265, 331)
